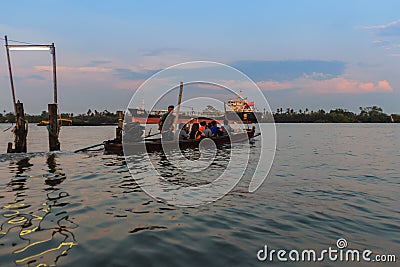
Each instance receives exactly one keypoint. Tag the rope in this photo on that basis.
(15, 41)
(8, 127)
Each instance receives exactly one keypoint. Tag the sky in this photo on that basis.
(301, 54)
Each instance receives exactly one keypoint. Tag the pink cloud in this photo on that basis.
(128, 84)
(345, 86)
(73, 69)
(274, 85)
(336, 85)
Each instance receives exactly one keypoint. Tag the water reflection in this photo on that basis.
(55, 176)
(18, 182)
(45, 231)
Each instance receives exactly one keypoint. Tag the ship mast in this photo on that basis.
(142, 106)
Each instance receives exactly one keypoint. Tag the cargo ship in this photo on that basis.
(239, 110)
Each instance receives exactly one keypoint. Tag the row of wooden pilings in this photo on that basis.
(21, 130)
(21, 125)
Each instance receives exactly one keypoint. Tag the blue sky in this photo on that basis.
(302, 54)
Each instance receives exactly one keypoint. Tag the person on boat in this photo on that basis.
(215, 129)
(167, 120)
(195, 133)
(203, 125)
(166, 124)
(183, 131)
(133, 132)
(207, 131)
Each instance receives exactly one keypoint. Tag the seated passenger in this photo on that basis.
(183, 131)
(215, 129)
(195, 133)
(203, 125)
(207, 131)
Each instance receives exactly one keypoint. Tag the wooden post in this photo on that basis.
(20, 130)
(177, 111)
(10, 148)
(53, 52)
(10, 72)
(54, 143)
(118, 132)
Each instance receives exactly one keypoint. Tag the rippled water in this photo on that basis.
(328, 181)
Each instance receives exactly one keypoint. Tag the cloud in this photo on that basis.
(96, 63)
(129, 74)
(342, 85)
(382, 43)
(275, 85)
(161, 51)
(289, 69)
(337, 85)
(36, 77)
(388, 35)
(73, 69)
(389, 29)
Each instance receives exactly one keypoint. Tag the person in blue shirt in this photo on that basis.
(215, 129)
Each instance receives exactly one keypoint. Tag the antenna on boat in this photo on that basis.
(142, 102)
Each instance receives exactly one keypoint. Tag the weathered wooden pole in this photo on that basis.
(21, 129)
(10, 147)
(54, 128)
(118, 132)
(10, 73)
(54, 143)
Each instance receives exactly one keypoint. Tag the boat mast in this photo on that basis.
(142, 102)
(177, 111)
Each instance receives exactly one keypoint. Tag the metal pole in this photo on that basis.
(53, 52)
(11, 77)
(225, 117)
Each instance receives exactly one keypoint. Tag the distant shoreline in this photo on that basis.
(372, 114)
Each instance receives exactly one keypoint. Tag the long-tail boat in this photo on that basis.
(153, 145)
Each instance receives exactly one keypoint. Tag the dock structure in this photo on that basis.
(21, 126)
(119, 129)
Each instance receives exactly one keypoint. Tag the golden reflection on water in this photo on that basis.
(45, 233)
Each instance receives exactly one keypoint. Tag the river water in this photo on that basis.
(328, 181)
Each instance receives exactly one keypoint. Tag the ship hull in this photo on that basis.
(244, 116)
(231, 116)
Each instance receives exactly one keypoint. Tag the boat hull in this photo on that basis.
(111, 147)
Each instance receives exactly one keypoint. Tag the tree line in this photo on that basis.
(89, 118)
(372, 114)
